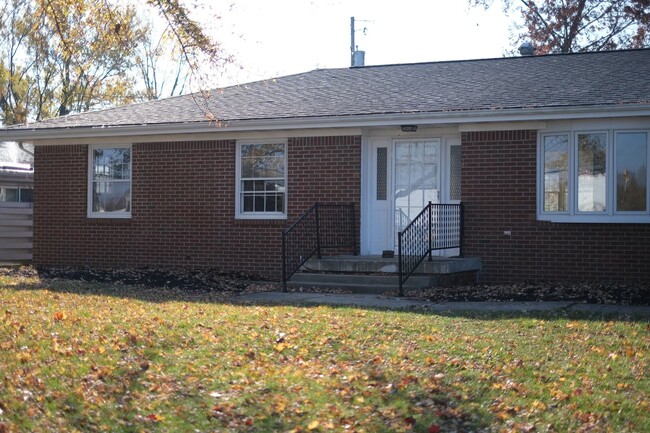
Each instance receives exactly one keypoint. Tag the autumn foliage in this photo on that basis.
(568, 26)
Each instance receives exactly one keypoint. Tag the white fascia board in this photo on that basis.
(361, 121)
(501, 126)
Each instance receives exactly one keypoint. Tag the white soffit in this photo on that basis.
(500, 126)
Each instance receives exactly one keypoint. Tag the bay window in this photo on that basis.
(594, 176)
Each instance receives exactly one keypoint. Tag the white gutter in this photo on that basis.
(358, 121)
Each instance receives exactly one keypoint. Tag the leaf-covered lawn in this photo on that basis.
(82, 357)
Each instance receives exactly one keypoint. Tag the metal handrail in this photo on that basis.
(437, 227)
(324, 225)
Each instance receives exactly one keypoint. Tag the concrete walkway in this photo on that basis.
(388, 302)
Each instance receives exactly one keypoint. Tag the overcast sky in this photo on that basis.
(270, 38)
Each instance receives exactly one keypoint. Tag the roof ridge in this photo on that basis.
(487, 59)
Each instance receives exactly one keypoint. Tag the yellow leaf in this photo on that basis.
(313, 425)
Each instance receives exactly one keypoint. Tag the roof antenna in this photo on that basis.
(357, 58)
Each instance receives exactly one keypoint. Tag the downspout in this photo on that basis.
(22, 147)
(29, 152)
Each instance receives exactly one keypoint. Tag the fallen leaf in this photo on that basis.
(154, 417)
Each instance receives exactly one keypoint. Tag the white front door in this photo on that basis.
(405, 176)
(381, 208)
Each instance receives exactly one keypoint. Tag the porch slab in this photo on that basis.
(378, 264)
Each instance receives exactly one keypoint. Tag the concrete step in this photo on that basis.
(359, 283)
(373, 264)
(374, 274)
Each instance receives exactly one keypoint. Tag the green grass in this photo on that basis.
(87, 357)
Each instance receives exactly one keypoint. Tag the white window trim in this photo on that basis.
(110, 215)
(260, 215)
(572, 215)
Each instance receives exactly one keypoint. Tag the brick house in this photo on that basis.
(548, 154)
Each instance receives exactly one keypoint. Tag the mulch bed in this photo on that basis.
(215, 281)
(579, 292)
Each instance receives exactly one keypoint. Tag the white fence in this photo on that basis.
(15, 233)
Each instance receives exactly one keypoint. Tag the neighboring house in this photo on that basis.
(16, 173)
(548, 154)
(16, 193)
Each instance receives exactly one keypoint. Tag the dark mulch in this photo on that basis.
(216, 281)
(581, 292)
(149, 277)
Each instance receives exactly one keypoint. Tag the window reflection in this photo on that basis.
(631, 171)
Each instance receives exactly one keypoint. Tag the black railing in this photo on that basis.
(437, 227)
(323, 226)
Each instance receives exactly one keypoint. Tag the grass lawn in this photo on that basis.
(88, 357)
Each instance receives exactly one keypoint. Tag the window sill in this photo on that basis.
(109, 215)
(595, 219)
(261, 216)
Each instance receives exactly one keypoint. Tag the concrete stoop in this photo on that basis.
(374, 274)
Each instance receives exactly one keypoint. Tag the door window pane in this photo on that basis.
(556, 173)
(382, 173)
(631, 171)
(592, 154)
(455, 166)
(416, 179)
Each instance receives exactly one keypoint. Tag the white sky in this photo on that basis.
(271, 38)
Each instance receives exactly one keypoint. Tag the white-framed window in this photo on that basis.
(16, 194)
(109, 181)
(261, 189)
(594, 175)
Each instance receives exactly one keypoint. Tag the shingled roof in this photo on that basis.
(570, 80)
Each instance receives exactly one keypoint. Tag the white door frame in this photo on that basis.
(370, 218)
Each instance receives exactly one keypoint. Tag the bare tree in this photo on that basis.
(564, 26)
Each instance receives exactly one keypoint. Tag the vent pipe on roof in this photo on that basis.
(358, 58)
(527, 49)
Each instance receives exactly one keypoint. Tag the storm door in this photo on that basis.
(416, 179)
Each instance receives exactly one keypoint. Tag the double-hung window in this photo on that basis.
(594, 176)
(261, 179)
(109, 181)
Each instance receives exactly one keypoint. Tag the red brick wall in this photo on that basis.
(183, 205)
(499, 192)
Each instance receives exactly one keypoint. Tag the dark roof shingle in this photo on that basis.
(569, 80)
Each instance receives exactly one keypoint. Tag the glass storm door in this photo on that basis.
(417, 179)
(404, 175)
